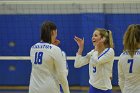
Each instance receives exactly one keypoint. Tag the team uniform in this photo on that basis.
(100, 69)
(48, 69)
(129, 72)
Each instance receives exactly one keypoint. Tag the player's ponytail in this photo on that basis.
(131, 39)
(111, 44)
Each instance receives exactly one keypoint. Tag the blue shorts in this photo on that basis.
(95, 90)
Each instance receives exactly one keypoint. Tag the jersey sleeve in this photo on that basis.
(120, 74)
(31, 55)
(82, 60)
(106, 56)
(60, 65)
(65, 59)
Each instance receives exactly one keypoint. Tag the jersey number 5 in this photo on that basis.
(130, 61)
(38, 57)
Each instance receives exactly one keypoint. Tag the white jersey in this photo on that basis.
(129, 72)
(48, 69)
(100, 67)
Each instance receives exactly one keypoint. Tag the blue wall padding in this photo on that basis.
(24, 31)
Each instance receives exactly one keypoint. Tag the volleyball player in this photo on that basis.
(129, 61)
(48, 64)
(100, 60)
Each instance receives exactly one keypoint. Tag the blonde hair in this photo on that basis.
(131, 39)
(108, 35)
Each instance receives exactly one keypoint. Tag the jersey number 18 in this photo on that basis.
(38, 58)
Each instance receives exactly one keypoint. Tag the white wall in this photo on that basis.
(69, 6)
(79, 1)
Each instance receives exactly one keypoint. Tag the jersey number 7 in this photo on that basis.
(130, 61)
(38, 58)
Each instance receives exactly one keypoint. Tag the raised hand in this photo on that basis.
(80, 43)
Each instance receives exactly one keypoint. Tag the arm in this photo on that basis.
(106, 56)
(65, 59)
(81, 61)
(57, 42)
(120, 75)
(60, 65)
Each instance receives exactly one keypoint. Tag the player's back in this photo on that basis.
(43, 75)
(131, 70)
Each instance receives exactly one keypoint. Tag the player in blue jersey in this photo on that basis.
(48, 63)
(100, 60)
(129, 61)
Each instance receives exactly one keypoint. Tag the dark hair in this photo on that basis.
(46, 30)
(131, 39)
